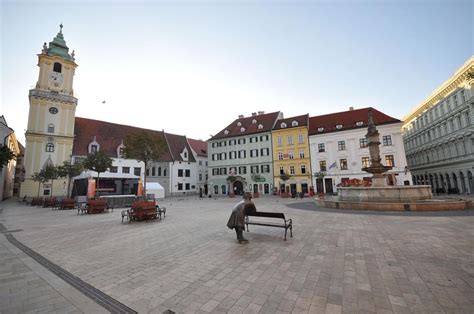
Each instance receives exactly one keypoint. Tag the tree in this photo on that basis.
(146, 147)
(50, 172)
(5, 156)
(40, 178)
(68, 170)
(98, 162)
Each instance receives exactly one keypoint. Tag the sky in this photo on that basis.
(191, 67)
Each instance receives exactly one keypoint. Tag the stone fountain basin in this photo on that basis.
(397, 193)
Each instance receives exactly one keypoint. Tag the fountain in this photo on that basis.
(380, 195)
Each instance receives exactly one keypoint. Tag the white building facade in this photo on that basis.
(438, 135)
(339, 148)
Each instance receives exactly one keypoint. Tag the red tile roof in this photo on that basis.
(348, 120)
(108, 135)
(176, 144)
(267, 120)
(302, 121)
(199, 146)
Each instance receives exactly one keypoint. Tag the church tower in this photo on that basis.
(50, 130)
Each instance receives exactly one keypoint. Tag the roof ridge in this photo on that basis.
(168, 145)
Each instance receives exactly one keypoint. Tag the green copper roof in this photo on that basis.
(58, 47)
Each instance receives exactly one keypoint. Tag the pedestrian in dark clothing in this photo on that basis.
(236, 219)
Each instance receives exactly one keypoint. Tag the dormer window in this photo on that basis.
(321, 129)
(283, 125)
(184, 154)
(226, 132)
(121, 151)
(260, 126)
(57, 67)
(338, 126)
(294, 123)
(93, 146)
(239, 123)
(254, 121)
(359, 123)
(242, 129)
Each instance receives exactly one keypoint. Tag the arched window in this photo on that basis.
(294, 123)
(164, 172)
(57, 67)
(50, 128)
(50, 147)
(159, 171)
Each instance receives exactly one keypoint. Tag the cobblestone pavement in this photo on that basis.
(336, 262)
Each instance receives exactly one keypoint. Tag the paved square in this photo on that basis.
(336, 262)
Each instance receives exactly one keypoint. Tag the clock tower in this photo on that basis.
(50, 130)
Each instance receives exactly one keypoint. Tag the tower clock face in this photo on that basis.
(56, 79)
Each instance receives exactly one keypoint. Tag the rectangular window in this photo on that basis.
(341, 145)
(321, 148)
(223, 156)
(264, 151)
(263, 138)
(387, 140)
(292, 170)
(137, 171)
(187, 186)
(254, 153)
(322, 165)
(365, 162)
(389, 161)
(282, 170)
(279, 141)
(301, 153)
(232, 155)
(180, 186)
(200, 177)
(215, 171)
(113, 169)
(291, 155)
(265, 169)
(232, 171)
(213, 145)
(200, 162)
(253, 169)
(280, 155)
(363, 142)
(242, 154)
(223, 171)
(343, 164)
(290, 140)
(300, 139)
(180, 172)
(241, 141)
(187, 173)
(93, 149)
(243, 170)
(303, 169)
(125, 169)
(224, 143)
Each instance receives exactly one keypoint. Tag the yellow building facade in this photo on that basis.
(291, 155)
(50, 130)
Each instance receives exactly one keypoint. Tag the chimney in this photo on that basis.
(254, 114)
(241, 116)
(351, 108)
(261, 112)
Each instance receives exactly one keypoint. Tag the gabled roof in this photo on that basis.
(301, 120)
(347, 120)
(199, 146)
(267, 120)
(177, 144)
(108, 135)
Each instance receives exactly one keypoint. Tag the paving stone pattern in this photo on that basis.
(190, 262)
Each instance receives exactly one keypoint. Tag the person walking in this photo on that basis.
(236, 219)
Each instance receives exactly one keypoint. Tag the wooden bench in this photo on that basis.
(67, 203)
(96, 206)
(285, 223)
(133, 213)
(142, 211)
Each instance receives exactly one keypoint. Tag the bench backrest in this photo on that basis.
(144, 205)
(267, 214)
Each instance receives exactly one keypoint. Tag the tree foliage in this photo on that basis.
(69, 171)
(98, 162)
(50, 172)
(40, 178)
(5, 156)
(285, 176)
(144, 146)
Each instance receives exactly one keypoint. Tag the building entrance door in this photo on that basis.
(238, 188)
(328, 185)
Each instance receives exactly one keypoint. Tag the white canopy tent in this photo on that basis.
(156, 189)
